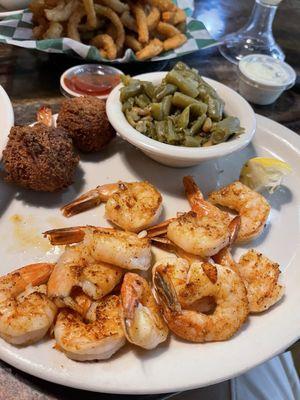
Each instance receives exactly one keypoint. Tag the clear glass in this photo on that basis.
(256, 36)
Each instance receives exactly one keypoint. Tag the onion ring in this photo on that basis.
(62, 12)
(114, 18)
(74, 22)
(167, 30)
(115, 5)
(91, 13)
(174, 42)
(132, 43)
(141, 22)
(106, 46)
(153, 18)
(152, 49)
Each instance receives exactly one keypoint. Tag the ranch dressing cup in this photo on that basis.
(262, 78)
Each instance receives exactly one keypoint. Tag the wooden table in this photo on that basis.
(31, 79)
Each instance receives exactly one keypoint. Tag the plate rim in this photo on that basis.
(10, 118)
(7, 356)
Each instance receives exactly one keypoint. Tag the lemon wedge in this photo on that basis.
(261, 173)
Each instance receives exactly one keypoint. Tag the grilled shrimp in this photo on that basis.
(260, 276)
(204, 231)
(131, 206)
(199, 236)
(252, 207)
(202, 280)
(75, 269)
(142, 322)
(203, 236)
(122, 249)
(26, 313)
(97, 337)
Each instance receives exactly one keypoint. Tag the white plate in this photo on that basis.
(6, 118)
(4, 13)
(175, 365)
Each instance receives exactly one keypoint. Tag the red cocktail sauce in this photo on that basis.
(92, 84)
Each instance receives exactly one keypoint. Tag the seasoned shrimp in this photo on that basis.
(203, 236)
(252, 207)
(122, 249)
(26, 313)
(204, 231)
(75, 268)
(203, 280)
(166, 244)
(142, 322)
(260, 276)
(131, 206)
(97, 337)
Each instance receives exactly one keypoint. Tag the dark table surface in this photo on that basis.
(32, 79)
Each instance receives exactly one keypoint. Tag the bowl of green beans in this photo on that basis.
(179, 118)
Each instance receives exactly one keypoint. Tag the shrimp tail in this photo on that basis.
(163, 243)
(159, 229)
(166, 292)
(85, 202)
(195, 196)
(30, 275)
(64, 236)
(44, 116)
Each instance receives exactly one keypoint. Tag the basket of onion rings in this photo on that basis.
(109, 30)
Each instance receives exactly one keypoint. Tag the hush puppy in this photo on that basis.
(86, 121)
(40, 158)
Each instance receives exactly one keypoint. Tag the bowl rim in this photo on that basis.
(127, 132)
(67, 92)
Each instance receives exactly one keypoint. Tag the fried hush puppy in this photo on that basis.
(86, 121)
(40, 158)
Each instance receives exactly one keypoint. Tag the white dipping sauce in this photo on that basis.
(263, 78)
(265, 71)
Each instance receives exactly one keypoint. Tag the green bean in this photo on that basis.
(205, 89)
(182, 110)
(142, 100)
(222, 130)
(215, 108)
(197, 109)
(148, 88)
(184, 118)
(197, 125)
(182, 101)
(170, 133)
(133, 89)
(125, 79)
(193, 141)
(186, 85)
(164, 90)
(129, 103)
(157, 111)
(166, 105)
(160, 130)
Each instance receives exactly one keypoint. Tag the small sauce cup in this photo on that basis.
(89, 79)
(262, 78)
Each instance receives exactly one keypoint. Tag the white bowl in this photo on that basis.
(14, 4)
(180, 156)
